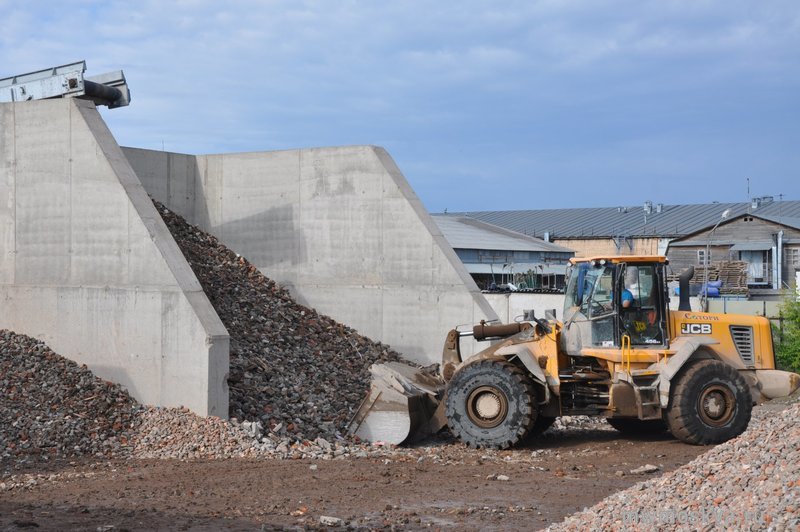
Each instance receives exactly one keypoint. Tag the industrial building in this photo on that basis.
(497, 257)
(640, 230)
(767, 245)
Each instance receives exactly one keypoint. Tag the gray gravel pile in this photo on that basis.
(50, 407)
(749, 483)
(181, 434)
(297, 372)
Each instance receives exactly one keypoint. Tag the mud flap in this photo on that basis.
(403, 405)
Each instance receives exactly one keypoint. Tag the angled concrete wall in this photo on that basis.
(88, 266)
(340, 227)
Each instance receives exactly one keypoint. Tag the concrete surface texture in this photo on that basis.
(511, 306)
(88, 266)
(340, 227)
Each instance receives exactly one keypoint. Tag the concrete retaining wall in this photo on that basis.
(88, 266)
(511, 305)
(340, 227)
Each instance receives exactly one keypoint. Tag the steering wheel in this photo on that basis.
(597, 308)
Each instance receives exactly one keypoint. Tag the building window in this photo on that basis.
(793, 257)
(701, 257)
(495, 257)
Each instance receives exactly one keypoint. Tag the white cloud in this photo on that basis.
(208, 75)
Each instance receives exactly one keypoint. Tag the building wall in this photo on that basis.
(748, 229)
(500, 256)
(512, 305)
(598, 247)
(681, 258)
(741, 230)
(88, 266)
(340, 227)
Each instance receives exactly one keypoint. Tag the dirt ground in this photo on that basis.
(443, 485)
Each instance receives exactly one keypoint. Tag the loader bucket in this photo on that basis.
(403, 405)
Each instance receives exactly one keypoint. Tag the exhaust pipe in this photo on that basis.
(683, 285)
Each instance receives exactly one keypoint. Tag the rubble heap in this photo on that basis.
(299, 373)
(748, 483)
(51, 407)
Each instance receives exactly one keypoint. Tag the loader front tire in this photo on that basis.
(709, 403)
(491, 404)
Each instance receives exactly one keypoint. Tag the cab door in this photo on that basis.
(591, 318)
(644, 320)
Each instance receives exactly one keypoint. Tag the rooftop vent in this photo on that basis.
(648, 207)
(755, 203)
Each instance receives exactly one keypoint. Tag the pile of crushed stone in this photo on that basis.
(297, 372)
(54, 409)
(748, 483)
(51, 407)
(296, 378)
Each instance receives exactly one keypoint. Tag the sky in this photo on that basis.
(483, 105)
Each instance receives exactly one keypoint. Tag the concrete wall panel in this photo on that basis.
(344, 231)
(94, 271)
(7, 195)
(152, 166)
(42, 198)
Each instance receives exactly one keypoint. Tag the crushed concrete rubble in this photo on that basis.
(297, 372)
(52, 407)
(749, 483)
(296, 378)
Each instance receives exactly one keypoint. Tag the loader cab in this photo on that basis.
(610, 298)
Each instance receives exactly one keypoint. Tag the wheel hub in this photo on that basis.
(487, 406)
(716, 405)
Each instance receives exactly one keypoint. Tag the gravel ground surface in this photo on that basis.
(749, 483)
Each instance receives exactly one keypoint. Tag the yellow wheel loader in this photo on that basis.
(619, 353)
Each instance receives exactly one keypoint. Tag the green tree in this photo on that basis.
(787, 348)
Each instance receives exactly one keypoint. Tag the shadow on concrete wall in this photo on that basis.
(270, 237)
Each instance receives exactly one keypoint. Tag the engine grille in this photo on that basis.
(743, 340)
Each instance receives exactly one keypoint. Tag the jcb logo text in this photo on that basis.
(696, 328)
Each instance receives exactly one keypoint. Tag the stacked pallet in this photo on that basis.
(732, 273)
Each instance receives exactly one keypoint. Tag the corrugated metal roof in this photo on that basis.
(673, 220)
(751, 246)
(467, 233)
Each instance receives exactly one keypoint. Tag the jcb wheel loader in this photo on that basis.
(619, 353)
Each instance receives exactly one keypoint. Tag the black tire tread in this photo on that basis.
(683, 422)
(528, 407)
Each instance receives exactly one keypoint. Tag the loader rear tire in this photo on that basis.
(709, 403)
(637, 427)
(490, 404)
